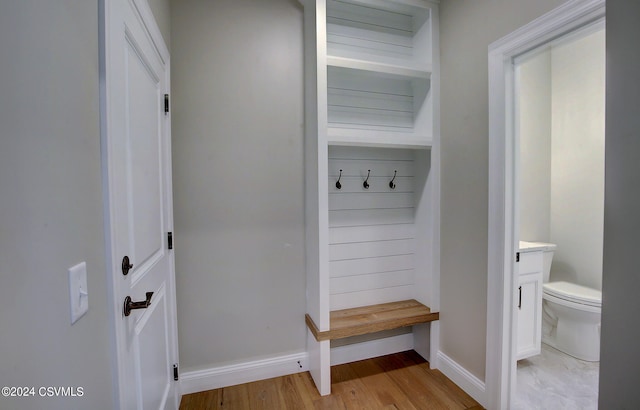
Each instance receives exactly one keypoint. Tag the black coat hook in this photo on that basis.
(391, 184)
(338, 184)
(365, 184)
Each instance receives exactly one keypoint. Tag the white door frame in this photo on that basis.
(113, 300)
(501, 296)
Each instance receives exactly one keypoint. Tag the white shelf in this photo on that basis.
(404, 6)
(373, 105)
(376, 138)
(379, 67)
(397, 33)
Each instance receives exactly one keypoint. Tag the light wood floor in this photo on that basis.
(400, 381)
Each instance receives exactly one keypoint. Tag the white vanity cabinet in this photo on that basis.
(529, 304)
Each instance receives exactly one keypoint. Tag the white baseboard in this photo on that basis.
(374, 348)
(223, 376)
(463, 378)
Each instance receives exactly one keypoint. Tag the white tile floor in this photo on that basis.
(556, 381)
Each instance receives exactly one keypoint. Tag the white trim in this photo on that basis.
(223, 376)
(373, 348)
(500, 353)
(151, 26)
(460, 376)
(436, 172)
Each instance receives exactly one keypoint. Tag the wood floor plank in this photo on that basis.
(207, 400)
(420, 393)
(210, 400)
(263, 395)
(451, 389)
(393, 382)
(379, 382)
(186, 401)
(446, 386)
(306, 388)
(235, 397)
(330, 402)
(418, 382)
(288, 394)
(355, 394)
(193, 401)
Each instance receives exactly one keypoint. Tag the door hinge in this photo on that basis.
(166, 104)
(517, 256)
(175, 372)
(170, 240)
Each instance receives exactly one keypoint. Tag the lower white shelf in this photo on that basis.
(377, 138)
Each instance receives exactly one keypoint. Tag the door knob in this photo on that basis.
(129, 305)
(126, 265)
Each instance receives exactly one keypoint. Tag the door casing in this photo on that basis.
(500, 370)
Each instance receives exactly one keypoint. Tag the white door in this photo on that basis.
(136, 147)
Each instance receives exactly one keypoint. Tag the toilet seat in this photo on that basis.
(573, 293)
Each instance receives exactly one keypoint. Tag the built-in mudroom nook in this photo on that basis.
(372, 180)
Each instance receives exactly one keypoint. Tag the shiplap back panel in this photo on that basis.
(361, 99)
(371, 231)
(357, 30)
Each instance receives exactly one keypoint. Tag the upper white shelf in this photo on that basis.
(379, 59)
(378, 67)
(393, 33)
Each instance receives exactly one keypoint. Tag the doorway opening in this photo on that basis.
(559, 213)
(502, 290)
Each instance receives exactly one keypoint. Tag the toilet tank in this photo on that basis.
(547, 255)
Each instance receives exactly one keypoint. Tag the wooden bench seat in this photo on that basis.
(371, 319)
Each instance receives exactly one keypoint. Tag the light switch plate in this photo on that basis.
(78, 291)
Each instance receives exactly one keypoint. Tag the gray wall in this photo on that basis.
(534, 131)
(237, 79)
(577, 159)
(51, 203)
(620, 355)
(562, 154)
(162, 13)
(466, 30)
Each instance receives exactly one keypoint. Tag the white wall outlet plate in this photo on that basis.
(78, 292)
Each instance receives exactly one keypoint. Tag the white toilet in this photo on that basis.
(571, 315)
